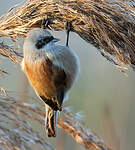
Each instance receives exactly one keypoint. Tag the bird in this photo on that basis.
(52, 70)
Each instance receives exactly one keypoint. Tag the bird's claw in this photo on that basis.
(69, 28)
(46, 22)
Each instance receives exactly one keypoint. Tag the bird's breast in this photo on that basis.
(40, 77)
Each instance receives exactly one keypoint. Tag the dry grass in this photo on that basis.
(108, 25)
(16, 131)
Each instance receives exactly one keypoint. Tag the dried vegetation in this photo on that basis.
(16, 131)
(108, 25)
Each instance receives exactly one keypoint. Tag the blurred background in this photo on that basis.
(102, 93)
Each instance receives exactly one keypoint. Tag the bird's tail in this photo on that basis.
(51, 122)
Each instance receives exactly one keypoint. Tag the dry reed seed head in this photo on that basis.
(108, 25)
(14, 113)
(17, 133)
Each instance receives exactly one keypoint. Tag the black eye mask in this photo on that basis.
(43, 41)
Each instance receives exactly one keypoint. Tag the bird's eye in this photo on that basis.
(47, 39)
(43, 41)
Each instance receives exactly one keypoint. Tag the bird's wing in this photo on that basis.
(58, 76)
(60, 83)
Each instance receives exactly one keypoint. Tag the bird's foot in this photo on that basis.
(69, 28)
(46, 22)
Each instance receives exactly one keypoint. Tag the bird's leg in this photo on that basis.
(46, 23)
(68, 28)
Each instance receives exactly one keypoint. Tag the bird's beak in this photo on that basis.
(55, 40)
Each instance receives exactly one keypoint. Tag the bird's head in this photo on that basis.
(40, 37)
